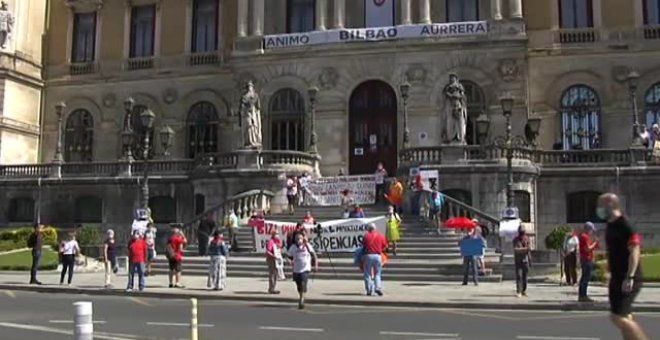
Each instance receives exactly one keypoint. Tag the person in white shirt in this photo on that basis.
(292, 193)
(304, 261)
(150, 237)
(303, 181)
(571, 246)
(68, 249)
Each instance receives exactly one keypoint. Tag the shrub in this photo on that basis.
(555, 240)
(17, 238)
(89, 236)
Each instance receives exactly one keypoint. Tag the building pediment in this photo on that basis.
(84, 5)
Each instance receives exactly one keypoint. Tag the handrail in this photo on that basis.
(236, 197)
(493, 220)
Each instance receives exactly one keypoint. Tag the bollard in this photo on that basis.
(193, 321)
(83, 322)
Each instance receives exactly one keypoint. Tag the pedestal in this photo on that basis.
(453, 153)
(248, 159)
(125, 168)
(56, 169)
(638, 155)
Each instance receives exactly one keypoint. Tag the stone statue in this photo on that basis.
(250, 117)
(455, 118)
(6, 24)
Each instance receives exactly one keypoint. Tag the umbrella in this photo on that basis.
(460, 223)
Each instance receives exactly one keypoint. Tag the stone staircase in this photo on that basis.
(422, 255)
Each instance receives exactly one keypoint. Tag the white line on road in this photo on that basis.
(291, 329)
(440, 335)
(532, 337)
(175, 324)
(53, 330)
(71, 322)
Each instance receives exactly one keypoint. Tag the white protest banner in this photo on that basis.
(328, 191)
(337, 236)
(417, 31)
(429, 179)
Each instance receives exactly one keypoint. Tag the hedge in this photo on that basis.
(17, 238)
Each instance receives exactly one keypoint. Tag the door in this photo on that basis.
(372, 128)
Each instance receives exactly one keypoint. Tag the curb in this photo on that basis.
(561, 306)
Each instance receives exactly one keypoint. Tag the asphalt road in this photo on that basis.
(35, 316)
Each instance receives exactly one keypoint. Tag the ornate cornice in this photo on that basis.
(18, 126)
(84, 5)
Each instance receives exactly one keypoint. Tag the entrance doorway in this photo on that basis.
(372, 128)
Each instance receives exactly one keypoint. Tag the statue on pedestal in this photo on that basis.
(6, 24)
(250, 117)
(455, 111)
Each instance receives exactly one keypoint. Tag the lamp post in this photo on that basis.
(532, 129)
(147, 118)
(404, 89)
(59, 110)
(507, 108)
(312, 92)
(633, 78)
(127, 131)
(483, 125)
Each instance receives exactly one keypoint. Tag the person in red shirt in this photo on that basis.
(374, 245)
(309, 219)
(176, 243)
(587, 247)
(137, 255)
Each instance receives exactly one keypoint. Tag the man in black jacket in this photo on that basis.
(36, 241)
(205, 229)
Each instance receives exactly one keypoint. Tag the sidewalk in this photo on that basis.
(345, 292)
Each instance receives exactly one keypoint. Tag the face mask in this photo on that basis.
(602, 213)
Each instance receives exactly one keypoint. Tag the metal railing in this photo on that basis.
(576, 35)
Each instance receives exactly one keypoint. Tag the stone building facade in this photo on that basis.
(566, 62)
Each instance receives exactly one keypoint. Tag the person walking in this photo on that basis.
(218, 253)
(176, 244)
(623, 256)
(231, 223)
(69, 249)
(150, 238)
(36, 242)
(274, 260)
(521, 252)
(436, 201)
(571, 246)
(304, 261)
(204, 230)
(393, 230)
(587, 247)
(375, 245)
(137, 256)
(109, 257)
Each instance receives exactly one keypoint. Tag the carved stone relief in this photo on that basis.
(416, 73)
(328, 78)
(508, 69)
(170, 95)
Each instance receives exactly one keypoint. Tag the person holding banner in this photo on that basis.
(304, 261)
(274, 260)
(393, 228)
(375, 245)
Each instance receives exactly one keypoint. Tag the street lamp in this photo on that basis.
(532, 129)
(633, 79)
(166, 135)
(147, 118)
(312, 92)
(483, 125)
(127, 131)
(404, 89)
(507, 102)
(59, 110)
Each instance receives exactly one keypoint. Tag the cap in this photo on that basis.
(589, 226)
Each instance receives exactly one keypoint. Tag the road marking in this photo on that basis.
(291, 329)
(54, 330)
(176, 324)
(71, 321)
(532, 337)
(10, 293)
(440, 335)
(140, 301)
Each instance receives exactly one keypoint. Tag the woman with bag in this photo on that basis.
(69, 249)
(109, 257)
(304, 261)
(218, 253)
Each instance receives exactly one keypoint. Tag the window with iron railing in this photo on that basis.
(287, 120)
(202, 129)
(652, 105)
(476, 105)
(79, 137)
(580, 116)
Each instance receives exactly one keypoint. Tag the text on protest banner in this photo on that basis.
(337, 236)
(327, 191)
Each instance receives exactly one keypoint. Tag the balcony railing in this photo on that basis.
(200, 59)
(576, 36)
(78, 69)
(651, 32)
(135, 64)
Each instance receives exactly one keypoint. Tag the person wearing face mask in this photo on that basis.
(304, 261)
(521, 258)
(623, 257)
(393, 232)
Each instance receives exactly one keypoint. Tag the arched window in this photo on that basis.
(457, 194)
(79, 137)
(163, 209)
(581, 207)
(522, 201)
(88, 209)
(287, 120)
(462, 10)
(21, 209)
(652, 105)
(476, 105)
(138, 128)
(580, 116)
(202, 129)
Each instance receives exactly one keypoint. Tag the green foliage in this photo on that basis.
(555, 240)
(22, 260)
(17, 238)
(89, 236)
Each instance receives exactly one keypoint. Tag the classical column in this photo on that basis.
(258, 17)
(405, 12)
(339, 12)
(424, 11)
(321, 10)
(496, 9)
(515, 7)
(242, 18)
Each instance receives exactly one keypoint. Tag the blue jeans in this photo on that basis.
(132, 270)
(36, 259)
(470, 262)
(373, 264)
(587, 270)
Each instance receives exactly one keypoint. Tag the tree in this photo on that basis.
(555, 240)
